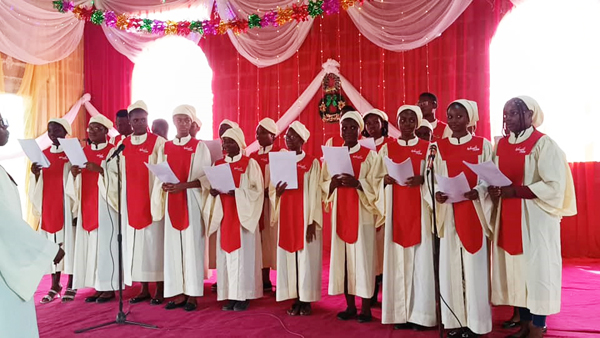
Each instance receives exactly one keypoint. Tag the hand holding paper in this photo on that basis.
(489, 172)
(399, 172)
(220, 178)
(282, 166)
(338, 160)
(163, 172)
(454, 187)
(73, 151)
(34, 153)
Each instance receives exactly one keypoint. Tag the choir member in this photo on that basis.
(196, 126)
(180, 204)
(144, 236)
(96, 248)
(226, 124)
(462, 227)
(51, 200)
(265, 135)
(355, 207)
(408, 288)
(234, 216)
(299, 215)
(428, 104)
(336, 140)
(122, 125)
(526, 256)
(424, 130)
(160, 127)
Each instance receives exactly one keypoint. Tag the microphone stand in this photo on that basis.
(436, 254)
(121, 316)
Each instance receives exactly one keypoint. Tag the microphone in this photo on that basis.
(117, 152)
(431, 156)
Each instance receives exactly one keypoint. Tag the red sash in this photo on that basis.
(510, 237)
(138, 181)
(118, 138)
(180, 161)
(438, 132)
(291, 210)
(231, 237)
(468, 225)
(263, 160)
(89, 188)
(53, 194)
(348, 202)
(406, 214)
(386, 140)
(337, 141)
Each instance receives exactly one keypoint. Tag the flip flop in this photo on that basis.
(50, 297)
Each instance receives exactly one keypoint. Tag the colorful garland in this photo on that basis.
(275, 18)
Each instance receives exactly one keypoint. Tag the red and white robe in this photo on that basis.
(526, 257)
(464, 264)
(379, 236)
(353, 221)
(115, 140)
(185, 232)
(299, 263)
(440, 130)
(235, 219)
(408, 285)
(52, 201)
(96, 250)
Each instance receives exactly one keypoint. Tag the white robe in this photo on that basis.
(268, 235)
(360, 258)
(239, 272)
(25, 256)
(533, 279)
(306, 283)
(96, 261)
(185, 251)
(408, 278)
(143, 249)
(464, 277)
(66, 235)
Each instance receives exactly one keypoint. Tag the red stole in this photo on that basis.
(53, 194)
(438, 132)
(510, 237)
(386, 140)
(348, 202)
(138, 181)
(179, 158)
(337, 141)
(406, 214)
(118, 138)
(263, 160)
(291, 210)
(89, 188)
(468, 225)
(231, 237)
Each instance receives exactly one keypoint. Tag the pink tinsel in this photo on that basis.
(110, 19)
(331, 6)
(269, 19)
(158, 27)
(68, 6)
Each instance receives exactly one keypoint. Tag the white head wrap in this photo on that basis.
(377, 112)
(538, 114)
(301, 130)
(413, 108)
(101, 119)
(185, 109)
(229, 123)
(139, 104)
(426, 124)
(472, 111)
(354, 115)
(236, 134)
(269, 125)
(62, 122)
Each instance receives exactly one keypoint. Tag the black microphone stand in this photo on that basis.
(436, 253)
(121, 316)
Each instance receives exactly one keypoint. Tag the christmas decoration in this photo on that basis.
(330, 106)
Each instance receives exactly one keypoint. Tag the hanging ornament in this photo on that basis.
(196, 27)
(158, 27)
(269, 19)
(183, 28)
(209, 27)
(330, 106)
(345, 4)
(284, 16)
(300, 12)
(146, 25)
(223, 26)
(134, 23)
(331, 6)
(171, 27)
(315, 8)
(239, 27)
(122, 22)
(254, 21)
(110, 19)
(97, 17)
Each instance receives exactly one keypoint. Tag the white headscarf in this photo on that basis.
(236, 134)
(269, 125)
(377, 112)
(538, 114)
(472, 111)
(229, 123)
(64, 123)
(101, 119)
(354, 115)
(413, 108)
(139, 104)
(426, 124)
(185, 109)
(301, 130)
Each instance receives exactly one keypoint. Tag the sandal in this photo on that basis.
(51, 296)
(69, 295)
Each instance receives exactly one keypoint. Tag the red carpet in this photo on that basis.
(267, 318)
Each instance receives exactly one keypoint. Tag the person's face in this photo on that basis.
(139, 122)
(194, 129)
(264, 137)
(183, 124)
(3, 132)
(458, 119)
(512, 117)
(373, 125)
(350, 130)
(427, 105)
(123, 126)
(424, 133)
(97, 133)
(223, 128)
(230, 147)
(293, 141)
(56, 131)
(407, 122)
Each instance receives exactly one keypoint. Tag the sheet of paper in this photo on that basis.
(454, 187)
(74, 152)
(220, 178)
(282, 166)
(163, 172)
(338, 160)
(368, 142)
(215, 148)
(34, 153)
(399, 171)
(489, 172)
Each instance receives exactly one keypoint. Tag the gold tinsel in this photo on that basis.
(345, 4)
(171, 27)
(223, 27)
(284, 16)
(122, 22)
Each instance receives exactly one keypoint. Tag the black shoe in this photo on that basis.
(346, 315)
(403, 326)
(155, 301)
(136, 300)
(230, 305)
(509, 324)
(268, 287)
(241, 306)
(365, 318)
(455, 333)
(92, 299)
(467, 333)
(190, 307)
(172, 305)
(213, 287)
(102, 300)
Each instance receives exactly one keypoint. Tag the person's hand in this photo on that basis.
(349, 181)
(440, 197)
(508, 192)
(214, 192)
(74, 222)
(388, 180)
(231, 193)
(280, 188)
(311, 232)
(495, 192)
(59, 255)
(75, 170)
(472, 195)
(36, 169)
(415, 181)
(94, 167)
(173, 188)
(335, 183)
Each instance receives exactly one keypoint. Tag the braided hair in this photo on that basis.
(522, 109)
